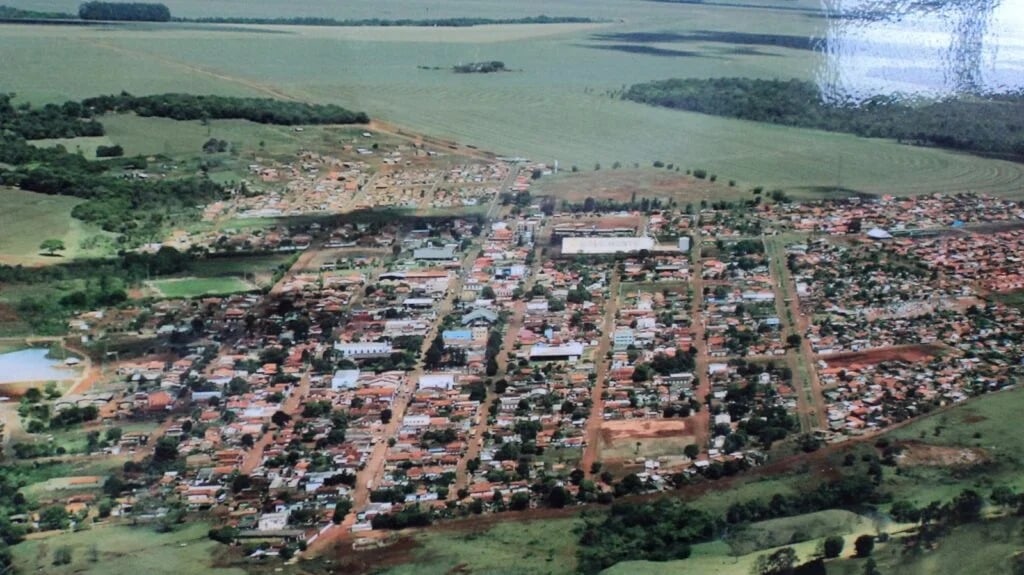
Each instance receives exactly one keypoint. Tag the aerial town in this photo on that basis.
(527, 354)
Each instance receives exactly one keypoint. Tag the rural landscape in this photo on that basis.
(468, 287)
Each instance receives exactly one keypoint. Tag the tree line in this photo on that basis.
(125, 11)
(981, 123)
(192, 107)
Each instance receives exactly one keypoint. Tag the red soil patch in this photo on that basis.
(921, 454)
(906, 353)
(613, 431)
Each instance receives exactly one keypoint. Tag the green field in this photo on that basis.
(28, 218)
(124, 551)
(196, 287)
(524, 548)
(557, 107)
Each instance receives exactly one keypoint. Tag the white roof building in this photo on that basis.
(344, 379)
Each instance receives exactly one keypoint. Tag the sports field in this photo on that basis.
(28, 218)
(555, 106)
(196, 287)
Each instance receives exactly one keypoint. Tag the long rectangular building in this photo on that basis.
(598, 246)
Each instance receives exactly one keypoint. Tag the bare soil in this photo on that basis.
(906, 353)
(920, 454)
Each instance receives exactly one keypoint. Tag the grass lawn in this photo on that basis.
(125, 550)
(196, 287)
(28, 218)
(522, 548)
(219, 267)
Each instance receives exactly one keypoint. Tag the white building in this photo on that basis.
(623, 338)
(362, 350)
(344, 379)
(422, 420)
(273, 521)
(572, 246)
(444, 381)
(566, 352)
(684, 244)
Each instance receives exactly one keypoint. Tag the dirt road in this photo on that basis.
(593, 429)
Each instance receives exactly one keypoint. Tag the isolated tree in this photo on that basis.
(691, 450)
(52, 246)
(834, 546)
(280, 418)
(864, 545)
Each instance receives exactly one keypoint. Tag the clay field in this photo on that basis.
(656, 438)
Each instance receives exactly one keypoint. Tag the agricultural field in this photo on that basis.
(29, 218)
(191, 287)
(124, 550)
(556, 108)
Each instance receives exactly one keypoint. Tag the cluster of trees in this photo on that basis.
(67, 120)
(480, 67)
(665, 529)
(653, 531)
(192, 107)
(611, 205)
(126, 11)
(426, 22)
(988, 123)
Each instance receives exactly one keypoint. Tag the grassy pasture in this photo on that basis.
(524, 548)
(621, 185)
(28, 218)
(194, 287)
(124, 550)
(555, 108)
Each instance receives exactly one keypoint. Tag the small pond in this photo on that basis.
(32, 365)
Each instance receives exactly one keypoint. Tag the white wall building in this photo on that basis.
(572, 246)
(363, 349)
(437, 381)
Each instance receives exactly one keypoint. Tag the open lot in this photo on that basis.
(644, 438)
(905, 353)
(28, 218)
(195, 287)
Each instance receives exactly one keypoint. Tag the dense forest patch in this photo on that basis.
(984, 124)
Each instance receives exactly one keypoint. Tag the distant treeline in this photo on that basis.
(985, 124)
(125, 11)
(9, 13)
(435, 22)
(261, 110)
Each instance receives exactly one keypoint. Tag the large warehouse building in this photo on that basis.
(595, 246)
